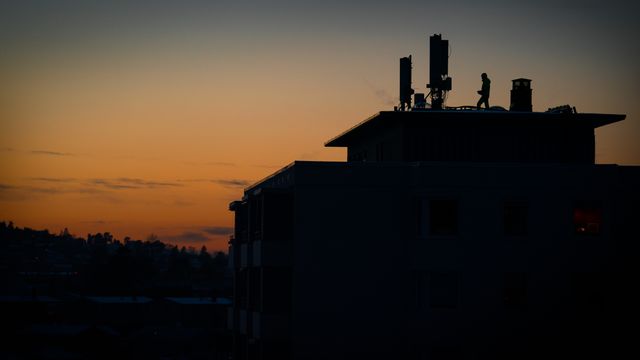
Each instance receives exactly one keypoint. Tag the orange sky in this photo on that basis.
(141, 122)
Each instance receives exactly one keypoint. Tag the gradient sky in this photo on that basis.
(151, 116)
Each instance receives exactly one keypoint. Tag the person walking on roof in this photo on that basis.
(484, 93)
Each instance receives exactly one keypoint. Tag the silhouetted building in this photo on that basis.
(471, 136)
(445, 235)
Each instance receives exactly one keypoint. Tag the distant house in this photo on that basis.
(445, 235)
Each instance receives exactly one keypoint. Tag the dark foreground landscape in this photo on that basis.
(66, 297)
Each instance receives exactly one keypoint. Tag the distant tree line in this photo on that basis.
(37, 260)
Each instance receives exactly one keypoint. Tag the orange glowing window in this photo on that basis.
(587, 218)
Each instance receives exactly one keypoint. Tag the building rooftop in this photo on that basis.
(472, 118)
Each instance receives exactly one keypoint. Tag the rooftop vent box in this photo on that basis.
(521, 95)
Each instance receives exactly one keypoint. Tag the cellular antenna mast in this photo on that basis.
(405, 83)
(439, 81)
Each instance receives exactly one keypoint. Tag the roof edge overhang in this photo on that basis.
(337, 141)
(590, 119)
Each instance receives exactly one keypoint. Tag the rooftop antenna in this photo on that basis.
(405, 83)
(439, 81)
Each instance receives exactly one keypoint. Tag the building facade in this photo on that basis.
(445, 235)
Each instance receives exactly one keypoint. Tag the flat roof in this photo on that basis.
(470, 117)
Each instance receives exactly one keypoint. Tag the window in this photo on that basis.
(443, 217)
(587, 218)
(443, 290)
(515, 290)
(515, 219)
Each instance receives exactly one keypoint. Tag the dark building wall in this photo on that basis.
(379, 145)
(503, 142)
(262, 275)
(369, 277)
(475, 136)
(360, 284)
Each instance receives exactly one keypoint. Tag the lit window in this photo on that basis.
(587, 218)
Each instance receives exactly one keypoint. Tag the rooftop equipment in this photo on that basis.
(439, 81)
(419, 101)
(405, 83)
(521, 95)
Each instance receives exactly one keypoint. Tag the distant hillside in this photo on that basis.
(36, 260)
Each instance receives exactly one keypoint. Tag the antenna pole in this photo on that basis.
(439, 81)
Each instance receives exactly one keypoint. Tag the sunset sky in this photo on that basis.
(140, 117)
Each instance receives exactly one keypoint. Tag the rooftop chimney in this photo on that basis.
(521, 95)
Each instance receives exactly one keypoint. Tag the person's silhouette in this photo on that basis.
(484, 93)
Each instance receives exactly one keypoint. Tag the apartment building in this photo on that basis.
(451, 234)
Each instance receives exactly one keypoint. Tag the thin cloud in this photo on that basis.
(6, 187)
(54, 180)
(220, 163)
(43, 190)
(382, 95)
(182, 203)
(61, 190)
(110, 184)
(130, 183)
(51, 153)
(187, 237)
(210, 163)
(147, 183)
(218, 230)
(266, 166)
(98, 222)
(232, 183)
(193, 180)
(39, 187)
(19, 193)
(53, 185)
